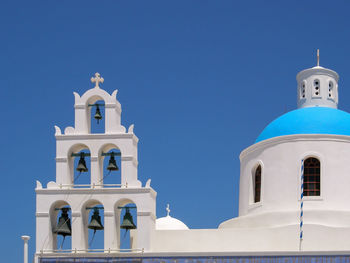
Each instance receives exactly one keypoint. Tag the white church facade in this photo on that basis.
(294, 179)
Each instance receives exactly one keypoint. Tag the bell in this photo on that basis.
(127, 223)
(82, 164)
(95, 222)
(63, 227)
(98, 115)
(112, 165)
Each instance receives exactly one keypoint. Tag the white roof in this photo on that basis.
(170, 223)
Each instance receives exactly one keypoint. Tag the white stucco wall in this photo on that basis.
(270, 239)
(280, 159)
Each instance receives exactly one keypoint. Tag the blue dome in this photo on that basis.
(312, 120)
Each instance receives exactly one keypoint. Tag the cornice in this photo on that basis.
(63, 137)
(96, 191)
(293, 138)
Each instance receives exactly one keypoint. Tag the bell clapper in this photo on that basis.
(64, 237)
(92, 239)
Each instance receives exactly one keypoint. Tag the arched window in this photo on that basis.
(257, 184)
(312, 174)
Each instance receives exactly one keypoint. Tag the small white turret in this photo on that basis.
(317, 86)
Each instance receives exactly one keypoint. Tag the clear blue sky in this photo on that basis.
(200, 80)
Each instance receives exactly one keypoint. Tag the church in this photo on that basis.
(293, 193)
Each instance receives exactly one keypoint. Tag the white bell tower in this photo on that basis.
(65, 192)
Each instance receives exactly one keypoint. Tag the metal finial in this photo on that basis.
(97, 79)
(168, 209)
(318, 57)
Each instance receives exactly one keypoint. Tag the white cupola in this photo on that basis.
(170, 223)
(317, 86)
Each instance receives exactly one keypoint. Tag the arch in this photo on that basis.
(312, 176)
(97, 93)
(92, 126)
(87, 234)
(112, 120)
(77, 148)
(126, 241)
(257, 184)
(54, 214)
(103, 162)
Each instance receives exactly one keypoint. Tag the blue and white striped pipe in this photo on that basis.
(301, 203)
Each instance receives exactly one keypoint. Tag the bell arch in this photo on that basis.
(110, 164)
(78, 157)
(60, 225)
(126, 223)
(95, 114)
(93, 224)
(112, 109)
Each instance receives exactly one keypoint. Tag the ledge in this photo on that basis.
(140, 190)
(293, 138)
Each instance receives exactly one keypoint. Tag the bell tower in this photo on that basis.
(62, 208)
(317, 87)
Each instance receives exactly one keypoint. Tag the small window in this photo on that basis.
(257, 184)
(312, 175)
(317, 88)
(302, 91)
(330, 90)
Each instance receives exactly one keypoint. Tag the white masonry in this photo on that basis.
(63, 192)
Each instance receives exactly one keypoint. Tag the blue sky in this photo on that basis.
(199, 79)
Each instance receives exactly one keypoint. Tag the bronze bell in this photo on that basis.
(127, 223)
(95, 222)
(98, 115)
(82, 164)
(63, 227)
(112, 164)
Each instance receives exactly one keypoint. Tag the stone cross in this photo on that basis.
(97, 79)
(168, 209)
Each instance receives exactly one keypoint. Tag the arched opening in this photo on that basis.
(96, 115)
(93, 220)
(61, 225)
(110, 165)
(330, 90)
(127, 216)
(303, 90)
(80, 165)
(257, 184)
(317, 89)
(312, 177)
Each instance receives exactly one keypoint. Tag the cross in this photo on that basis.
(97, 79)
(318, 57)
(168, 209)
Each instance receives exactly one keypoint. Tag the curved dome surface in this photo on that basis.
(312, 120)
(170, 223)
